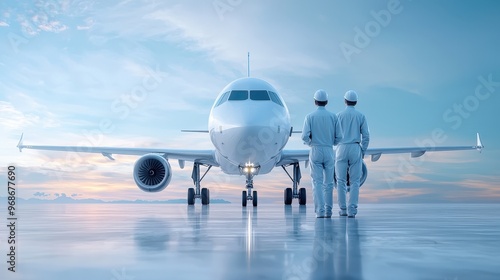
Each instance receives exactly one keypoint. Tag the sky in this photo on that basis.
(134, 73)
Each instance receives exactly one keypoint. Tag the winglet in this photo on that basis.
(20, 144)
(479, 145)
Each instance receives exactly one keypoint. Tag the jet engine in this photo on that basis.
(364, 174)
(152, 173)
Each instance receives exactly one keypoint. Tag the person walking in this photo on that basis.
(321, 132)
(350, 153)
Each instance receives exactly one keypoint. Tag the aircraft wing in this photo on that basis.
(292, 156)
(201, 156)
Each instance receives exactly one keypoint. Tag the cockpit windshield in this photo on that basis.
(256, 95)
(259, 95)
(238, 95)
(275, 98)
(223, 98)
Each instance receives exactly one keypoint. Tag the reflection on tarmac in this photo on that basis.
(152, 234)
(269, 242)
(336, 250)
(257, 247)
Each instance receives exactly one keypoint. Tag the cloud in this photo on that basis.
(3, 24)
(204, 34)
(89, 23)
(196, 27)
(53, 17)
(41, 194)
(42, 22)
(12, 118)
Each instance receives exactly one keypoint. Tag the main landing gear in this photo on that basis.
(249, 171)
(295, 192)
(195, 192)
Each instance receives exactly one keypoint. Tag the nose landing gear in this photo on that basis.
(249, 170)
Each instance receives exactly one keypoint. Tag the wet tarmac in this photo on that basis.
(272, 241)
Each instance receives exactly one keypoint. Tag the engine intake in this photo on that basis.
(152, 173)
(364, 174)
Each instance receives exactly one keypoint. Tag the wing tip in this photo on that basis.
(479, 144)
(20, 144)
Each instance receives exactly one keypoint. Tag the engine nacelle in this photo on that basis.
(152, 173)
(364, 174)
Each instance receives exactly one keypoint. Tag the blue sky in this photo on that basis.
(71, 69)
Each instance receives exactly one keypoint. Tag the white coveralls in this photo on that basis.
(321, 131)
(349, 156)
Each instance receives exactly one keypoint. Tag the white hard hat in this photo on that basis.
(321, 95)
(351, 95)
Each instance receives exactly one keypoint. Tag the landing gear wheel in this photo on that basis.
(302, 196)
(205, 196)
(254, 200)
(190, 199)
(244, 198)
(288, 196)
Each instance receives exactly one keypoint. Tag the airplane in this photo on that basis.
(249, 127)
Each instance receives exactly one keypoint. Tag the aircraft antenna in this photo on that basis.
(248, 64)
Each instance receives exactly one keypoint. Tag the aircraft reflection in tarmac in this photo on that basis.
(221, 244)
(197, 219)
(152, 235)
(335, 255)
(296, 220)
(259, 249)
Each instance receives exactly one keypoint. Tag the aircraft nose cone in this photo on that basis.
(251, 144)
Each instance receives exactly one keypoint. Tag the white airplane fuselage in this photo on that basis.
(249, 125)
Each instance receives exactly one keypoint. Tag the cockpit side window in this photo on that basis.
(259, 95)
(238, 95)
(275, 98)
(223, 98)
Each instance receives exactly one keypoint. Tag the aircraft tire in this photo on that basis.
(244, 198)
(190, 198)
(302, 196)
(205, 196)
(288, 196)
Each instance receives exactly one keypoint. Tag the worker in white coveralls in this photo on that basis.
(350, 153)
(321, 131)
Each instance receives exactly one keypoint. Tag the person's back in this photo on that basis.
(350, 153)
(321, 131)
(324, 132)
(354, 126)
